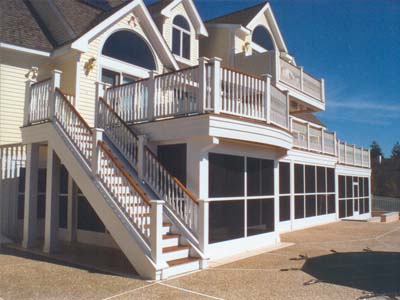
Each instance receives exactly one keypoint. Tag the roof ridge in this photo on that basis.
(237, 11)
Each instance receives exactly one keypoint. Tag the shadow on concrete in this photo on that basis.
(377, 273)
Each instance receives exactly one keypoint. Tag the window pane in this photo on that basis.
(260, 177)
(226, 220)
(342, 186)
(260, 216)
(361, 186)
(321, 205)
(87, 217)
(299, 178)
(310, 179)
(349, 186)
(331, 180)
(63, 180)
(310, 206)
(321, 180)
(110, 77)
(176, 41)
(185, 45)
(21, 207)
(284, 178)
(331, 204)
(284, 208)
(21, 180)
(349, 208)
(63, 212)
(299, 207)
(262, 37)
(366, 187)
(342, 208)
(181, 22)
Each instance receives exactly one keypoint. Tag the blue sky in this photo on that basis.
(355, 46)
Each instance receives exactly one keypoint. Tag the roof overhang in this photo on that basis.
(192, 12)
(24, 49)
(150, 28)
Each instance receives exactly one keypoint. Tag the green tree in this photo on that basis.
(375, 150)
(396, 151)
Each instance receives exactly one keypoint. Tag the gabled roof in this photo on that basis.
(165, 7)
(309, 117)
(241, 17)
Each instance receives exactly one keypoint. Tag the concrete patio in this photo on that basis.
(344, 260)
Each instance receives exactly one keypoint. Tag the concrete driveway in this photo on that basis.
(345, 260)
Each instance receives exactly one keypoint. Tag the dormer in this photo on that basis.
(181, 26)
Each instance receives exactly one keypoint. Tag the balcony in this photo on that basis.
(206, 88)
(352, 155)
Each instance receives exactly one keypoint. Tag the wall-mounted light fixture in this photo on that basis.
(132, 21)
(89, 65)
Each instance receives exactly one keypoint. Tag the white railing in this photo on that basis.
(300, 134)
(125, 190)
(176, 93)
(295, 77)
(352, 155)
(74, 125)
(130, 101)
(329, 142)
(39, 99)
(242, 94)
(207, 87)
(172, 191)
(315, 138)
(116, 129)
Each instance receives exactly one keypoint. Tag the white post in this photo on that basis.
(141, 157)
(52, 201)
(335, 145)
(99, 93)
(204, 208)
(151, 95)
(72, 210)
(156, 225)
(337, 194)
(323, 140)
(369, 158)
(27, 107)
(216, 83)
(55, 83)
(345, 153)
(201, 101)
(97, 136)
(31, 188)
(354, 154)
(267, 98)
(308, 136)
(301, 78)
(362, 156)
(275, 66)
(322, 90)
(276, 200)
(292, 194)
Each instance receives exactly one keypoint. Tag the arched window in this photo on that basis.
(181, 37)
(262, 38)
(129, 47)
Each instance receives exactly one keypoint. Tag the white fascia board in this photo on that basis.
(352, 170)
(192, 11)
(25, 49)
(306, 157)
(274, 28)
(82, 43)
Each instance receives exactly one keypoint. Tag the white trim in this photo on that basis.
(25, 50)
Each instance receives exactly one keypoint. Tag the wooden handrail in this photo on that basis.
(41, 81)
(74, 110)
(177, 181)
(121, 168)
(102, 100)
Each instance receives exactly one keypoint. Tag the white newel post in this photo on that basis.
(202, 84)
(345, 153)
(308, 136)
(141, 157)
(151, 95)
(27, 107)
(267, 98)
(323, 90)
(204, 207)
(335, 145)
(216, 83)
(301, 78)
(55, 83)
(354, 154)
(100, 87)
(156, 225)
(97, 136)
(323, 140)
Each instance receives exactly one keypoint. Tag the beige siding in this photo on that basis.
(218, 44)
(194, 41)
(87, 81)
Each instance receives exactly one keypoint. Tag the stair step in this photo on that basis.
(171, 236)
(175, 248)
(182, 261)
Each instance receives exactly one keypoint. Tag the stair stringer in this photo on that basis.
(121, 229)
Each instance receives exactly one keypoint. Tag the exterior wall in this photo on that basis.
(87, 90)
(219, 43)
(194, 41)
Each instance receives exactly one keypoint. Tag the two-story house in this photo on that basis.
(178, 141)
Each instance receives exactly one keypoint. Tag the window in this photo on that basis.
(284, 191)
(260, 216)
(260, 177)
(262, 38)
(110, 77)
(181, 37)
(129, 47)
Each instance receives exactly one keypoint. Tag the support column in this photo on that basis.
(31, 188)
(216, 83)
(52, 201)
(72, 210)
(276, 199)
(292, 194)
(156, 225)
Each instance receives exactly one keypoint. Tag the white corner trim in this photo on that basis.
(193, 14)
(25, 50)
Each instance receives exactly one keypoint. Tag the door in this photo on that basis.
(173, 157)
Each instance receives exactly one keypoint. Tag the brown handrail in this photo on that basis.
(101, 99)
(242, 73)
(74, 110)
(41, 81)
(177, 181)
(121, 168)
